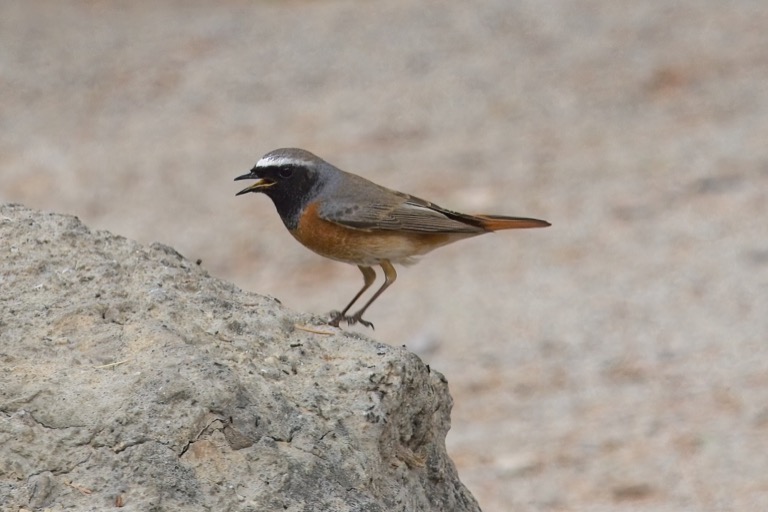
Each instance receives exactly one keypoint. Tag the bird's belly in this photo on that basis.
(367, 248)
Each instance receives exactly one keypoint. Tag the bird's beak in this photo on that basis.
(257, 186)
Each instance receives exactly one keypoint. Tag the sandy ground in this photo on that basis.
(615, 361)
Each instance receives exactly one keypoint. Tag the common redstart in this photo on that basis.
(347, 218)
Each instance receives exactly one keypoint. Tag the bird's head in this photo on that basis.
(289, 177)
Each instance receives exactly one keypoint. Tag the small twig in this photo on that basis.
(310, 329)
(110, 365)
(83, 490)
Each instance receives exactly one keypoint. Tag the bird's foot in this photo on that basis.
(336, 318)
(357, 318)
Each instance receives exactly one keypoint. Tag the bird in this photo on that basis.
(350, 219)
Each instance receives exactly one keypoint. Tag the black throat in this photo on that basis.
(291, 197)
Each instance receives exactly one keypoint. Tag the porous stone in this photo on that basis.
(132, 378)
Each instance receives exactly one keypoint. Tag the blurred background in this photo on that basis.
(615, 361)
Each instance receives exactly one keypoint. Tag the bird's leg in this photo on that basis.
(389, 277)
(369, 276)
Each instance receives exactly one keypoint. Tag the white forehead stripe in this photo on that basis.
(277, 161)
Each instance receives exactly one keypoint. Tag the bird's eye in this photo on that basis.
(285, 172)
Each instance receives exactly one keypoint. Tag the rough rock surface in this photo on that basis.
(130, 377)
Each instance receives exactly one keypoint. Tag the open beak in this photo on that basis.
(259, 185)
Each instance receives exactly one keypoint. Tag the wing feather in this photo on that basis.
(394, 211)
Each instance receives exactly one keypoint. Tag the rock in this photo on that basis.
(130, 377)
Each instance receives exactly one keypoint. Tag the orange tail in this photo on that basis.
(497, 222)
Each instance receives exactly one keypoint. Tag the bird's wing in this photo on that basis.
(389, 210)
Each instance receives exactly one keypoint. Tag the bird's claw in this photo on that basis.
(337, 318)
(355, 319)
